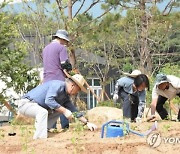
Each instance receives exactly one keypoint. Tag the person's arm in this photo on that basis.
(81, 118)
(154, 100)
(67, 113)
(52, 104)
(118, 84)
(153, 106)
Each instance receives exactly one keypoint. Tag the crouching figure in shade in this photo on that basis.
(166, 88)
(132, 90)
(49, 100)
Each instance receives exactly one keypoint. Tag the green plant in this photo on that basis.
(166, 127)
(109, 104)
(2, 135)
(26, 134)
(78, 130)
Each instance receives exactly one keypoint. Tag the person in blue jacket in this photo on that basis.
(49, 100)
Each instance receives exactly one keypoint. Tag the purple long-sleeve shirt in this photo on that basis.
(53, 54)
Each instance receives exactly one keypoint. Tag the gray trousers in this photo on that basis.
(44, 119)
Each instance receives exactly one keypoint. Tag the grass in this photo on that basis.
(78, 130)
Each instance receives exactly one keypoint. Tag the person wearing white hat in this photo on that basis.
(166, 88)
(49, 100)
(134, 73)
(55, 60)
(131, 89)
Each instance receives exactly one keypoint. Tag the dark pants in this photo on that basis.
(64, 122)
(130, 104)
(161, 110)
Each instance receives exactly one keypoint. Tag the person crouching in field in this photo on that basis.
(166, 88)
(49, 100)
(131, 90)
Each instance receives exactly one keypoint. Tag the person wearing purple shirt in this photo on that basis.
(55, 60)
(55, 57)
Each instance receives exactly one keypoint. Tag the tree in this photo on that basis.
(144, 21)
(14, 68)
(101, 46)
(43, 20)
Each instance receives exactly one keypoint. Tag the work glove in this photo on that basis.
(138, 120)
(68, 114)
(91, 126)
(115, 97)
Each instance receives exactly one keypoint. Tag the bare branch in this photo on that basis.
(79, 8)
(59, 4)
(94, 3)
(103, 13)
(91, 21)
(167, 6)
(74, 2)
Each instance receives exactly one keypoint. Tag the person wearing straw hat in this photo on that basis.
(49, 100)
(166, 88)
(55, 60)
(131, 89)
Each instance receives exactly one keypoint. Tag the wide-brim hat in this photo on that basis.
(134, 73)
(161, 78)
(63, 34)
(78, 79)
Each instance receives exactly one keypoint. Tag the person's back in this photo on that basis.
(53, 55)
(41, 93)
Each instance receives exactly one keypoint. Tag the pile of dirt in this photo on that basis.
(100, 115)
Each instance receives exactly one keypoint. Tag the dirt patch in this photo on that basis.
(87, 142)
(104, 148)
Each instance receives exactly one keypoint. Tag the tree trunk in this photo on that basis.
(70, 9)
(145, 57)
(72, 56)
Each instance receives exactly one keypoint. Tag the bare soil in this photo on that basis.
(87, 142)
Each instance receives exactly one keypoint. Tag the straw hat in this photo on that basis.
(78, 79)
(134, 73)
(63, 34)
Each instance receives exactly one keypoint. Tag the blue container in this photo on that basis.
(114, 129)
